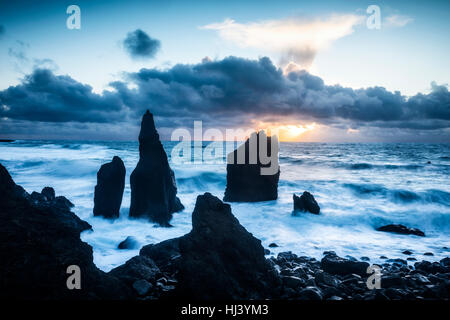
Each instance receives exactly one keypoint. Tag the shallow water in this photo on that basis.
(358, 186)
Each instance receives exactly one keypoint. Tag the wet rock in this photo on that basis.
(142, 287)
(138, 267)
(293, 282)
(430, 254)
(365, 259)
(109, 189)
(247, 182)
(401, 229)
(128, 243)
(266, 251)
(273, 245)
(337, 265)
(153, 186)
(49, 193)
(383, 257)
(38, 242)
(310, 293)
(220, 259)
(305, 202)
(407, 252)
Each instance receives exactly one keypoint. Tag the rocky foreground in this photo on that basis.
(218, 259)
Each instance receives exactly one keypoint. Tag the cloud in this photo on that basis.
(43, 96)
(397, 20)
(297, 39)
(228, 93)
(139, 45)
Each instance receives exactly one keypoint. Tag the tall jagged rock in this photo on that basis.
(218, 259)
(109, 189)
(247, 182)
(153, 186)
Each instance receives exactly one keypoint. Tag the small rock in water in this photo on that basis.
(128, 243)
(306, 202)
(365, 258)
(273, 245)
(411, 259)
(266, 251)
(401, 229)
(383, 257)
(428, 254)
(407, 252)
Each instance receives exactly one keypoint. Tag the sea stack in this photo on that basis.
(109, 189)
(306, 202)
(254, 179)
(153, 186)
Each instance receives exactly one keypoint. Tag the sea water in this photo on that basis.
(359, 187)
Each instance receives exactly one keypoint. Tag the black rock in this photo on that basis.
(310, 293)
(142, 287)
(153, 186)
(109, 189)
(273, 245)
(139, 267)
(336, 265)
(218, 259)
(49, 193)
(401, 229)
(38, 242)
(428, 254)
(407, 252)
(247, 182)
(306, 202)
(128, 243)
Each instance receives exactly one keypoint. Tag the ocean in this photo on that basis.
(358, 186)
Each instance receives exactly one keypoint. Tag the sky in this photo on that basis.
(314, 70)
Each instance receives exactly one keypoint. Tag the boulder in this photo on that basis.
(306, 202)
(334, 264)
(218, 259)
(109, 189)
(246, 180)
(153, 186)
(401, 229)
(38, 242)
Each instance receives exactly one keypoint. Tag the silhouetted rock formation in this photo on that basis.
(306, 202)
(245, 181)
(153, 186)
(218, 259)
(401, 229)
(109, 189)
(39, 239)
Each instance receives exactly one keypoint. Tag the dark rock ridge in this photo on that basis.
(401, 229)
(245, 183)
(218, 259)
(153, 186)
(333, 264)
(306, 202)
(39, 239)
(109, 189)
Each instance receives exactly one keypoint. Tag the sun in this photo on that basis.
(287, 132)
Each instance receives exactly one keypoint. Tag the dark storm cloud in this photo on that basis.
(139, 45)
(43, 96)
(226, 93)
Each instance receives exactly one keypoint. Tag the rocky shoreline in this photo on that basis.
(218, 259)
